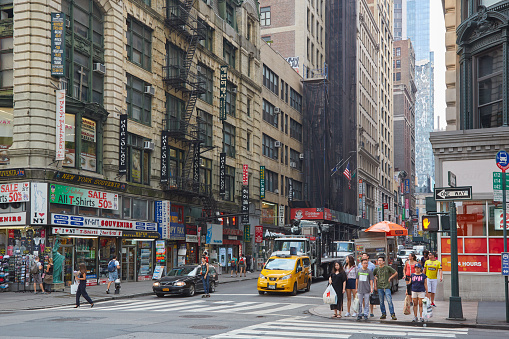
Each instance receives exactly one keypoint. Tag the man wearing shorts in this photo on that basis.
(113, 267)
(431, 268)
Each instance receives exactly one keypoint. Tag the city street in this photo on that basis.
(234, 311)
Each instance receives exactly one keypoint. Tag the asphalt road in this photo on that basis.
(234, 311)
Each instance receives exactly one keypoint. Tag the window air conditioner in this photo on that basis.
(276, 191)
(190, 220)
(234, 89)
(67, 23)
(277, 144)
(149, 145)
(301, 156)
(277, 110)
(150, 90)
(99, 68)
(293, 164)
(198, 69)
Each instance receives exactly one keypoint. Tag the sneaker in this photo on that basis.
(393, 316)
(365, 317)
(433, 304)
(383, 317)
(354, 314)
(359, 318)
(414, 320)
(107, 291)
(347, 314)
(371, 315)
(422, 320)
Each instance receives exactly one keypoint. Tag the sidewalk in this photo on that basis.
(17, 301)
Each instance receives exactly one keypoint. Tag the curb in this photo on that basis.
(425, 324)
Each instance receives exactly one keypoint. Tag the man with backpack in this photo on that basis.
(233, 265)
(242, 264)
(113, 267)
(35, 270)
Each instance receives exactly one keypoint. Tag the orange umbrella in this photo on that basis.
(389, 228)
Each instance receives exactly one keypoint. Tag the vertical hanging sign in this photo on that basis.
(290, 189)
(122, 141)
(164, 156)
(57, 44)
(245, 204)
(60, 125)
(196, 166)
(222, 172)
(222, 92)
(262, 182)
(245, 175)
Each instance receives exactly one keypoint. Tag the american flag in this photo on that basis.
(347, 173)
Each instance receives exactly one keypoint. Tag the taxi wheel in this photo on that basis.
(294, 292)
(308, 287)
(261, 292)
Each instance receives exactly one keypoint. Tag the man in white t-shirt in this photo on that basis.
(113, 267)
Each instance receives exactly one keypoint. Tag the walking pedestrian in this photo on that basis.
(249, 261)
(432, 268)
(242, 265)
(206, 254)
(113, 267)
(81, 275)
(371, 267)
(364, 287)
(36, 270)
(383, 276)
(425, 256)
(233, 264)
(409, 270)
(48, 276)
(204, 272)
(338, 281)
(419, 290)
(351, 276)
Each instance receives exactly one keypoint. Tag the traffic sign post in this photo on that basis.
(453, 193)
(502, 160)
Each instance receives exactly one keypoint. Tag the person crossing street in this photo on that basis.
(204, 272)
(383, 276)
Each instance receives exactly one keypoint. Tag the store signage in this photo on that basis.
(290, 189)
(39, 205)
(245, 205)
(281, 215)
(57, 44)
(140, 234)
(12, 173)
(122, 142)
(306, 213)
(85, 231)
(222, 173)
(245, 175)
(177, 230)
(407, 186)
(232, 231)
(199, 236)
(214, 234)
(191, 238)
(13, 219)
(15, 192)
(262, 182)
(76, 196)
(258, 234)
(196, 167)
(81, 179)
(499, 219)
(164, 156)
(93, 222)
(386, 206)
(247, 233)
(222, 92)
(60, 125)
(163, 216)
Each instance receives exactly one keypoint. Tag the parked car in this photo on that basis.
(184, 280)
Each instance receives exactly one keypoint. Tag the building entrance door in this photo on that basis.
(128, 264)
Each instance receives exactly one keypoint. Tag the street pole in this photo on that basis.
(455, 308)
(505, 245)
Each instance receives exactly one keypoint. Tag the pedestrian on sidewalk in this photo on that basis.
(383, 276)
(36, 270)
(409, 270)
(432, 268)
(364, 287)
(425, 256)
(81, 276)
(204, 272)
(113, 267)
(206, 254)
(242, 264)
(371, 267)
(249, 261)
(338, 281)
(48, 276)
(419, 290)
(351, 279)
(233, 264)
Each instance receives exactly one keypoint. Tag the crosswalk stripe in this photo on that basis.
(278, 309)
(191, 304)
(221, 308)
(147, 303)
(165, 307)
(281, 334)
(243, 308)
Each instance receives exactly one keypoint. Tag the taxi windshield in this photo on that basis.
(280, 264)
(179, 271)
(287, 244)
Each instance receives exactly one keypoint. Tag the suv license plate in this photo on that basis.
(271, 287)
(166, 289)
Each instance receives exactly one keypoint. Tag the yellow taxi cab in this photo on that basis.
(285, 273)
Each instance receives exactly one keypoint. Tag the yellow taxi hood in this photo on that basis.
(276, 273)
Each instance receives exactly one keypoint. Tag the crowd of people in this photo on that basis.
(370, 284)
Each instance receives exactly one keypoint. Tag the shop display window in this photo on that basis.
(471, 218)
(61, 209)
(107, 248)
(144, 258)
(87, 211)
(128, 260)
(3, 242)
(86, 251)
(140, 209)
(6, 132)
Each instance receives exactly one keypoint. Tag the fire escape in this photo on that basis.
(177, 75)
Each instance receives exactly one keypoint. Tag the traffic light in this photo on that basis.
(446, 223)
(430, 223)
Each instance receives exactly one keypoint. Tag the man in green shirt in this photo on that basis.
(383, 275)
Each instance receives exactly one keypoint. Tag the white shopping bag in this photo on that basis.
(329, 296)
(355, 304)
(74, 288)
(425, 303)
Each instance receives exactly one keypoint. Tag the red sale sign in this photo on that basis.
(15, 192)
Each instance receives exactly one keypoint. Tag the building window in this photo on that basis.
(206, 173)
(176, 164)
(269, 147)
(398, 76)
(6, 133)
(138, 169)
(249, 100)
(139, 43)
(398, 51)
(398, 63)
(230, 14)
(270, 80)
(229, 140)
(6, 64)
(295, 130)
(231, 98)
(139, 104)
(295, 100)
(489, 83)
(271, 181)
(80, 138)
(229, 180)
(265, 16)
(83, 49)
(268, 113)
(229, 53)
(267, 39)
(297, 190)
(294, 160)
(208, 76)
(174, 111)
(286, 123)
(248, 142)
(205, 124)
(174, 58)
(209, 35)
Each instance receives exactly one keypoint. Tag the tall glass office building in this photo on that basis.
(417, 22)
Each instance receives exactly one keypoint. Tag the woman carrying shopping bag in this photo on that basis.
(338, 281)
(81, 276)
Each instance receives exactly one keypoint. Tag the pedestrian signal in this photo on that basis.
(430, 223)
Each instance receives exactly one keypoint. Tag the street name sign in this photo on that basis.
(505, 263)
(453, 193)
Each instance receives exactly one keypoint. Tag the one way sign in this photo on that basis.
(453, 193)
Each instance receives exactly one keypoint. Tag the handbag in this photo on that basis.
(48, 279)
(374, 299)
(406, 307)
(355, 304)
(74, 288)
(330, 296)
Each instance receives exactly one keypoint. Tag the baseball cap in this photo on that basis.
(418, 265)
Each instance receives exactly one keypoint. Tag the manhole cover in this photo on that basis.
(196, 316)
(209, 327)
(65, 319)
